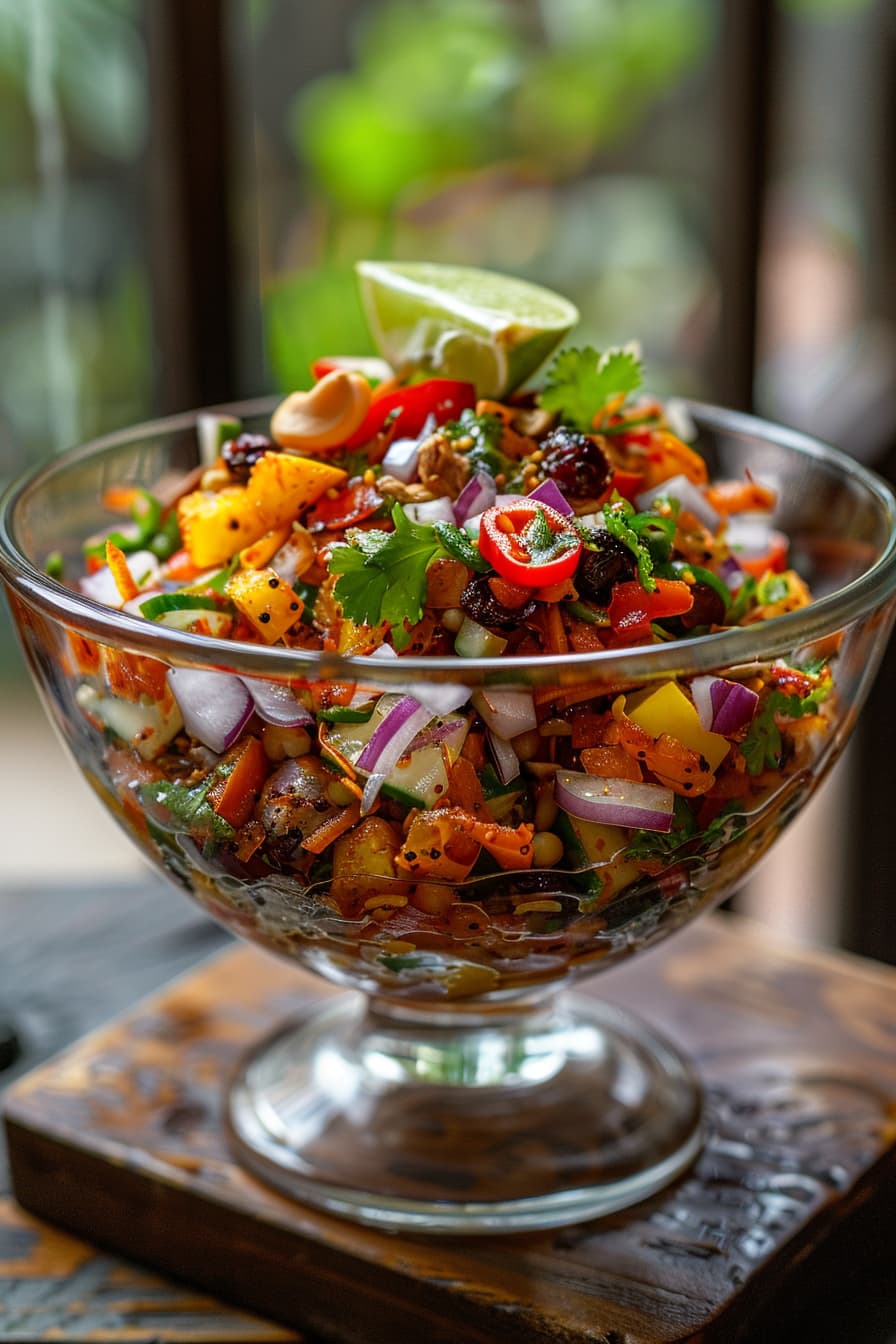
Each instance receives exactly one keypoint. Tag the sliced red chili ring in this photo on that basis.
(513, 539)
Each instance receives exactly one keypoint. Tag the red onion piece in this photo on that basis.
(391, 736)
(506, 759)
(479, 494)
(723, 706)
(401, 460)
(431, 511)
(689, 496)
(101, 586)
(439, 698)
(550, 493)
(507, 713)
(751, 536)
(390, 740)
(615, 802)
(215, 705)
(276, 704)
(436, 732)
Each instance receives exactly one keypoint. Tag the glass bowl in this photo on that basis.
(464, 1089)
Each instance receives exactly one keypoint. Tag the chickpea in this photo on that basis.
(547, 849)
(527, 745)
(452, 619)
(339, 794)
(280, 743)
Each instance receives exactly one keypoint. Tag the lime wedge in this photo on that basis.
(459, 322)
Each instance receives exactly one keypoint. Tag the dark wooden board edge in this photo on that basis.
(257, 1265)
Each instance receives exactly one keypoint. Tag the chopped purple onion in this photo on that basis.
(479, 494)
(550, 493)
(506, 759)
(689, 496)
(615, 802)
(507, 713)
(216, 706)
(723, 706)
(276, 704)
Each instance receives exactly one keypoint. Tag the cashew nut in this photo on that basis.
(324, 416)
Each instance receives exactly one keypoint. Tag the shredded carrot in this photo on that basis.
(465, 790)
(124, 580)
(331, 830)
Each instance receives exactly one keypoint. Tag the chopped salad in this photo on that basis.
(385, 518)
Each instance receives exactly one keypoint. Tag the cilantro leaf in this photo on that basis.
(659, 844)
(763, 747)
(382, 575)
(189, 807)
(581, 382)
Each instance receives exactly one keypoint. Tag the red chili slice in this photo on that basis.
(445, 398)
(504, 544)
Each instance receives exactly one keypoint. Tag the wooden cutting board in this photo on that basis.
(119, 1140)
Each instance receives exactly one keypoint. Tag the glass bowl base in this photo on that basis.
(550, 1117)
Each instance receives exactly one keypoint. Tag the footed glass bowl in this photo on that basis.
(464, 1088)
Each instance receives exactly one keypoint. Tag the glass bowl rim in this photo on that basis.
(735, 647)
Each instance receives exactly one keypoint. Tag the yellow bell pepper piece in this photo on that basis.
(214, 524)
(666, 709)
(268, 604)
(281, 485)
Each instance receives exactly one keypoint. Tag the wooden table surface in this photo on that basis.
(70, 959)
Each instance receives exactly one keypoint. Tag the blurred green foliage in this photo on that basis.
(444, 99)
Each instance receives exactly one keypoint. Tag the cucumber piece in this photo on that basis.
(358, 710)
(156, 606)
(212, 431)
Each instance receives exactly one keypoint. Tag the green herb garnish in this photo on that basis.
(763, 747)
(382, 575)
(581, 382)
(190, 806)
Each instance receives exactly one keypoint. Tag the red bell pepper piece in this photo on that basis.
(374, 369)
(350, 507)
(408, 408)
(632, 608)
(506, 541)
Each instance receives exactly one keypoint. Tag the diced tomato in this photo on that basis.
(628, 484)
(408, 408)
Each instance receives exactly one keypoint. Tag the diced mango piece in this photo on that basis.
(281, 485)
(666, 709)
(269, 604)
(214, 524)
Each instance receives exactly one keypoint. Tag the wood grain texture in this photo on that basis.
(70, 958)
(120, 1139)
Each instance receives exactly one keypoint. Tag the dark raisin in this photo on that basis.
(605, 560)
(708, 608)
(241, 454)
(576, 462)
(481, 605)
